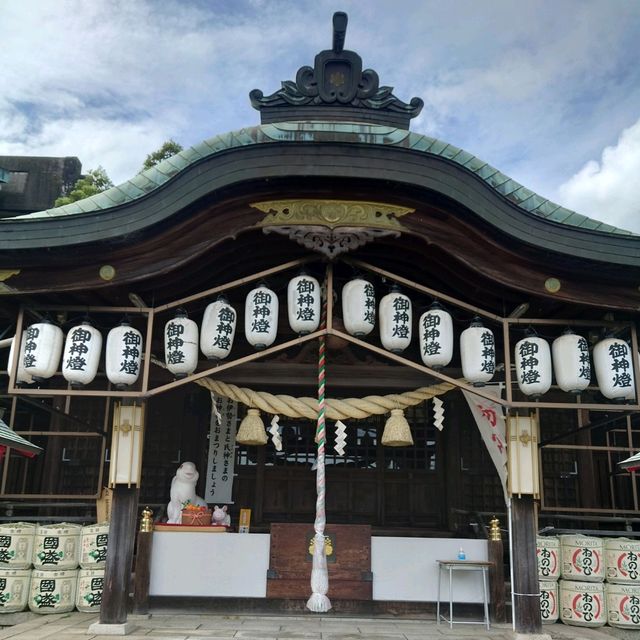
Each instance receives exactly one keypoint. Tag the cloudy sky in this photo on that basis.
(547, 91)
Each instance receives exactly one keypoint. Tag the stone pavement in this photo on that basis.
(167, 626)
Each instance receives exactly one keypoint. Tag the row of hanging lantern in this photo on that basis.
(533, 357)
(43, 342)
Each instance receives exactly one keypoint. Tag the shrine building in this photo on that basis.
(327, 256)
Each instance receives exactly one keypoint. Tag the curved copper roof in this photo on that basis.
(147, 181)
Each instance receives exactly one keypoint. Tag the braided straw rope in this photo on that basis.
(353, 408)
(343, 409)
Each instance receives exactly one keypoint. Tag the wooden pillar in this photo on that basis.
(525, 566)
(496, 573)
(143, 564)
(117, 574)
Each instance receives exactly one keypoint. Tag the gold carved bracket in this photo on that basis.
(331, 227)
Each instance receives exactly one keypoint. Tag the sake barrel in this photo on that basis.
(582, 604)
(623, 605)
(582, 558)
(57, 547)
(14, 589)
(548, 554)
(53, 591)
(16, 545)
(93, 546)
(548, 601)
(622, 560)
(89, 591)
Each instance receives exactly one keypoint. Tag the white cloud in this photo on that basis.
(609, 189)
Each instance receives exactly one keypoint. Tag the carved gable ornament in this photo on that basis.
(331, 227)
(336, 88)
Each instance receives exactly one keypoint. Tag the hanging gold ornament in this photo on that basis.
(251, 431)
(397, 432)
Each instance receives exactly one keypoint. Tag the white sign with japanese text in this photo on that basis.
(222, 443)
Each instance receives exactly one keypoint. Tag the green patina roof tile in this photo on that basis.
(463, 157)
(547, 208)
(177, 161)
(497, 179)
(131, 190)
(99, 201)
(508, 187)
(117, 195)
(560, 214)
(487, 171)
(191, 154)
(589, 223)
(520, 195)
(167, 169)
(437, 147)
(475, 164)
(423, 143)
(143, 182)
(532, 203)
(575, 219)
(450, 151)
(88, 205)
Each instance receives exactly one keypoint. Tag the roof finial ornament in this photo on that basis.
(336, 89)
(340, 19)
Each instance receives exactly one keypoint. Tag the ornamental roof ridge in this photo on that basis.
(148, 181)
(335, 88)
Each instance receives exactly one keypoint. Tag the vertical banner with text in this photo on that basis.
(222, 443)
(489, 417)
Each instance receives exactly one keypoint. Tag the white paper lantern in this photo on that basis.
(614, 369)
(218, 329)
(123, 355)
(181, 345)
(42, 349)
(477, 353)
(395, 321)
(358, 307)
(81, 356)
(261, 317)
(533, 365)
(571, 362)
(22, 377)
(303, 304)
(436, 337)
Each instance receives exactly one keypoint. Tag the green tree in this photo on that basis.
(94, 182)
(168, 149)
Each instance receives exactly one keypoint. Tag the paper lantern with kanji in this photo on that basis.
(218, 329)
(261, 317)
(42, 349)
(571, 362)
(81, 355)
(181, 345)
(358, 307)
(395, 321)
(477, 353)
(533, 365)
(303, 304)
(22, 377)
(123, 355)
(614, 369)
(436, 337)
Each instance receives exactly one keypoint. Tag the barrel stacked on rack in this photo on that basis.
(581, 597)
(55, 584)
